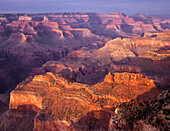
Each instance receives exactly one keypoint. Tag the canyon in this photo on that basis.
(28, 41)
(84, 71)
(63, 104)
(144, 55)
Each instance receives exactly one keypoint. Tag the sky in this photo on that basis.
(129, 7)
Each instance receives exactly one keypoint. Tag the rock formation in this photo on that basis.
(64, 104)
(24, 18)
(45, 19)
(156, 55)
(120, 55)
(118, 50)
(83, 47)
(109, 78)
(17, 100)
(3, 19)
(132, 79)
(33, 39)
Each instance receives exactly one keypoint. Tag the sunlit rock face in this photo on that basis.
(132, 79)
(31, 40)
(124, 50)
(109, 78)
(64, 104)
(25, 18)
(83, 47)
(19, 100)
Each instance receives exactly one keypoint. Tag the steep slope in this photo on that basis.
(29, 40)
(64, 104)
(147, 55)
(142, 116)
(122, 50)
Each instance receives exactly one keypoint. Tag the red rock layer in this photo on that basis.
(133, 79)
(18, 99)
(63, 103)
(31, 40)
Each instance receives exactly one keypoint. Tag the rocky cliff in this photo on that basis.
(30, 40)
(143, 115)
(64, 104)
(132, 79)
(73, 45)
(146, 55)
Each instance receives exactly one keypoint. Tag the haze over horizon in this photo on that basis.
(129, 7)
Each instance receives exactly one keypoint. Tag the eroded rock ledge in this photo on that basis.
(64, 104)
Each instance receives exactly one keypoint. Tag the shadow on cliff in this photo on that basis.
(99, 120)
(28, 108)
(94, 120)
(149, 95)
(12, 120)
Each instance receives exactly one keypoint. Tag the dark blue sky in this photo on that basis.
(128, 7)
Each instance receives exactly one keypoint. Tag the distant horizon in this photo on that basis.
(4, 13)
(129, 7)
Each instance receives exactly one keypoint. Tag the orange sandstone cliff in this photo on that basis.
(62, 104)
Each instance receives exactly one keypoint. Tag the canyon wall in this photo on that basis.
(64, 104)
(132, 79)
(28, 41)
(18, 99)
